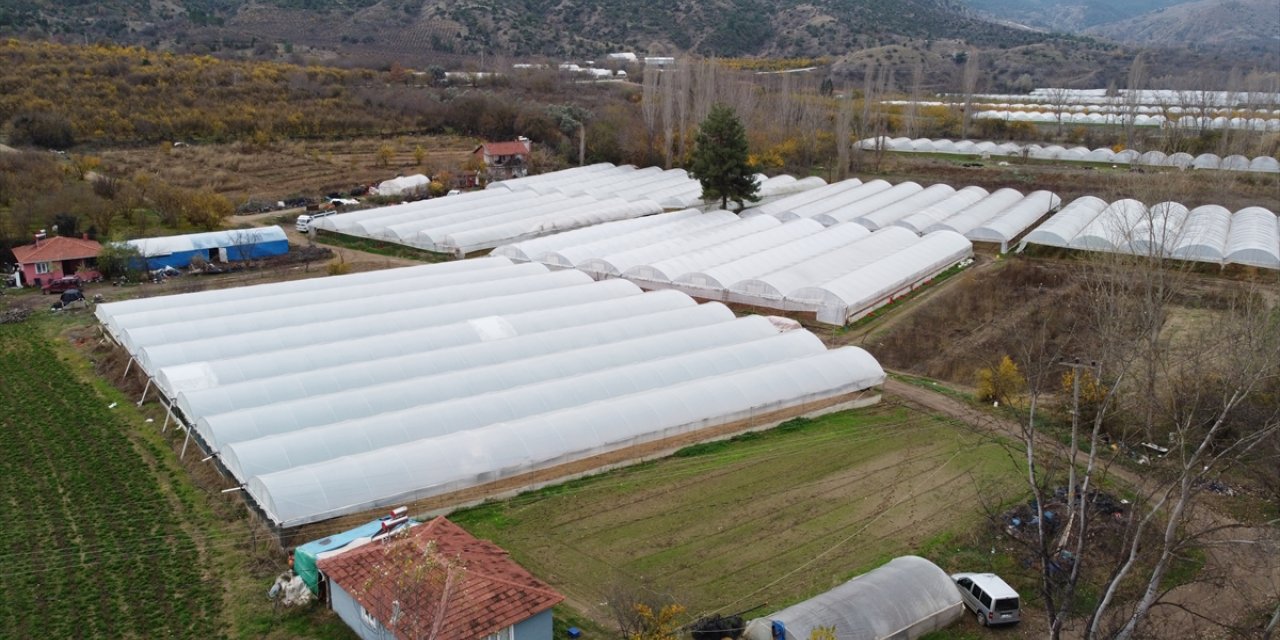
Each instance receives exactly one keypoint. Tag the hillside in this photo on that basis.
(415, 29)
(1251, 25)
(1068, 16)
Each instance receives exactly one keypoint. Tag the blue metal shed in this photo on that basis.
(232, 245)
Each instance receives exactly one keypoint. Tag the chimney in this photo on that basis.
(528, 144)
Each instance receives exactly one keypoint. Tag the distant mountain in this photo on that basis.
(1248, 25)
(1068, 16)
(556, 28)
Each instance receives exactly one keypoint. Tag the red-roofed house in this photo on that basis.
(435, 581)
(505, 160)
(56, 257)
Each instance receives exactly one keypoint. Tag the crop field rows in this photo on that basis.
(90, 545)
(761, 521)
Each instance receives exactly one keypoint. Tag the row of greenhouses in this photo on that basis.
(1260, 164)
(1209, 233)
(1141, 120)
(982, 216)
(1068, 107)
(522, 208)
(1171, 97)
(838, 273)
(335, 396)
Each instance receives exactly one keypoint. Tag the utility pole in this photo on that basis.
(1077, 366)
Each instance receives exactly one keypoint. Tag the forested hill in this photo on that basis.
(556, 28)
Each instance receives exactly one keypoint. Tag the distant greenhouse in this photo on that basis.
(534, 206)
(1260, 164)
(234, 245)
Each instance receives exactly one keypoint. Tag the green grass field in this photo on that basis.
(762, 521)
(90, 543)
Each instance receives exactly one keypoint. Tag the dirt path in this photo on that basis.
(359, 260)
(1242, 563)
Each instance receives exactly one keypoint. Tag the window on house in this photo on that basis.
(506, 634)
(42, 267)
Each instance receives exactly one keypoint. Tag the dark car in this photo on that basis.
(62, 284)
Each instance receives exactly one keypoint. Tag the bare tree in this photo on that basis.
(1133, 99)
(969, 82)
(1203, 379)
(844, 112)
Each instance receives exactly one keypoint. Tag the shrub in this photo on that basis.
(50, 130)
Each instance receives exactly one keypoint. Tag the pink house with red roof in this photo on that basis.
(57, 257)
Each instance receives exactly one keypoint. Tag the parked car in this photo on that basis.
(991, 599)
(59, 285)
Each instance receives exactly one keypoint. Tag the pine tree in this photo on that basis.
(720, 160)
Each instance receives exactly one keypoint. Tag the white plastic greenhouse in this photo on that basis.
(896, 211)
(540, 205)
(758, 260)
(1207, 233)
(321, 400)
(939, 211)
(1266, 164)
(904, 599)
(1012, 221)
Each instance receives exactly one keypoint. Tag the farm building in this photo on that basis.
(307, 556)
(52, 258)
(403, 185)
(534, 206)
(505, 160)
(1208, 233)
(302, 389)
(469, 589)
(215, 246)
(902, 600)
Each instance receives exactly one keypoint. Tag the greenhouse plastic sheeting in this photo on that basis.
(248, 381)
(533, 249)
(463, 242)
(664, 272)
(1113, 229)
(902, 600)
(381, 298)
(1011, 222)
(396, 280)
(889, 214)
(615, 264)
(874, 202)
(851, 296)
(1060, 229)
(791, 202)
(1204, 235)
(714, 282)
(473, 410)
(450, 348)
(458, 460)
(1254, 239)
(441, 384)
(143, 312)
(1158, 232)
(772, 288)
(487, 297)
(974, 215)
(941, 210)
(835, 202)
(570, 256)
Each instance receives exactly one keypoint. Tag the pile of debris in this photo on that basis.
(14, 315)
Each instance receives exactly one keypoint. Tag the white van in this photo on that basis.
(303, 223)
(992, 600)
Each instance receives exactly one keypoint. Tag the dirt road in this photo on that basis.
(1242, 563)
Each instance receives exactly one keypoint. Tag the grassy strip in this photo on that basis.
(389, 249)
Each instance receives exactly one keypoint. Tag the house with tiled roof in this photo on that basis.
(505, 160)
(435, 581)
(56, 257)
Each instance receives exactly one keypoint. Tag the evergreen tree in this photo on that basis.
(720, 159)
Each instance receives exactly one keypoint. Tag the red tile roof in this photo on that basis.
(513, 148)
(474, 589)
(57, 248)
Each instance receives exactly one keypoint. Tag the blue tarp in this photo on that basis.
(305, 556)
